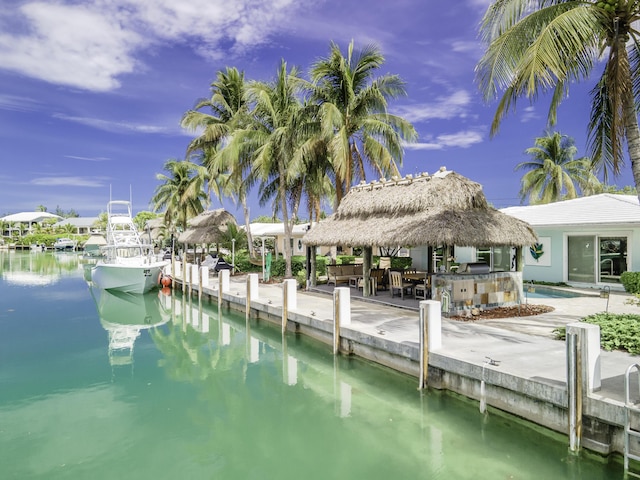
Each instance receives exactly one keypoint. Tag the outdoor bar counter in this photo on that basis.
(465, 291)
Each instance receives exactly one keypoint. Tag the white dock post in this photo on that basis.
(204, 277)
(430, 336)
(589, 345)
(583, 374)
(223, 285)
(341, 313)
(289, 300)
(252, 292)
(195, 276)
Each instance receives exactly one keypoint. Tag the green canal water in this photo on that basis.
(101, 386)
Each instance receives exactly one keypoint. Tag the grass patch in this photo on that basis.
(617, 331)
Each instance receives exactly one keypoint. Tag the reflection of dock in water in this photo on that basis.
(124, 316)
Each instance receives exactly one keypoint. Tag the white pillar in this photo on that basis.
(589, 346)
(252, 282)
(223, 279)
(343, 310)
(433, 314)
(195, 271)
(204, 276)
(289, 300)
(341, 314)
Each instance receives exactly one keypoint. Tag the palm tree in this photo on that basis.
(353, 115)
(229, 174)
(272, 138)
(553, 173)
(542, 46)
(181, 192)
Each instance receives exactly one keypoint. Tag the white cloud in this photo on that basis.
(112, 126)
(89, 45)
(17, 104)
(529, 114)
(87, 159)
(84, 46)
(68, 182)
(453, 106)
(464, 139)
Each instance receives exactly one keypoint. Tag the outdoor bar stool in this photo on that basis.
(423, 290)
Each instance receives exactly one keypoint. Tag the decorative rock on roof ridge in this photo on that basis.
(406, 180)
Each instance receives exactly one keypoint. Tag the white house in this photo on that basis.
(587, 241)
(81, 225)
(26, 219)
(276, 232)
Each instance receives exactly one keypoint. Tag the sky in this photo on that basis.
(92, 92)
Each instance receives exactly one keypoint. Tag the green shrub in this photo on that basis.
(617, 331)
(631, 281)
(346, 259)
(401, 262)
(279, 266)
(243, 262)
(321, 265)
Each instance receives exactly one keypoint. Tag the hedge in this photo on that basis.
(631, 281)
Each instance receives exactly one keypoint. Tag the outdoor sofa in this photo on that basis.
(337, 274)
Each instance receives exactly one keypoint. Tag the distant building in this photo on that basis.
(82, 225)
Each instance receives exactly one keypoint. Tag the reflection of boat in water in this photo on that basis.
(124, 316)
(129, 265)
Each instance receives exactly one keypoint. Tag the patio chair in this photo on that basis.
(423, 289)
(378, 274)
(396, 283)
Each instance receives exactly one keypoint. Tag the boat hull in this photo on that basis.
(127, 278)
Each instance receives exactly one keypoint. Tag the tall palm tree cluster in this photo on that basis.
(295, 139)
(542, 46)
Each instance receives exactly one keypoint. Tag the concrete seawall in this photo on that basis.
(523, 374)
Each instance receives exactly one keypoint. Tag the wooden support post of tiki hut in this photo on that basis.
(367, 257)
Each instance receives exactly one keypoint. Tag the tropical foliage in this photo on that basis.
(538, 47)
(552, 173)
(297, 140)
(181, 194)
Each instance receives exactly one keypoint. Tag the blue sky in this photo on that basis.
(92, 92)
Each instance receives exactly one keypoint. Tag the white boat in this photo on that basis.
(65, 244)
(128, 264)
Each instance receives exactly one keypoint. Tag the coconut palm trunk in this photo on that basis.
(633, 142)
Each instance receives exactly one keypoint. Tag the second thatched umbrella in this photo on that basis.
(208, 227)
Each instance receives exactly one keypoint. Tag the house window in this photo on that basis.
(594, 259)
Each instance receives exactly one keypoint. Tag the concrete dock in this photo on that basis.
(523, 366)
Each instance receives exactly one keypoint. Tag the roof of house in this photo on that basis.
(29, 217)
(603, 209)
(78, 222)
(440, 209)
(275, 229)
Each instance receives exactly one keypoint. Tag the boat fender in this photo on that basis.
(165, 280)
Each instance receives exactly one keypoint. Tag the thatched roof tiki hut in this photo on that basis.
(423, 210)
(207, 228)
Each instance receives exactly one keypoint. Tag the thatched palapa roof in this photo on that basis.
(440, 209)
(155, 227)
(208, 227)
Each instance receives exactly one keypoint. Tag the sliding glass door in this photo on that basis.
(593, 259)
(613, 258)
(581, 261)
